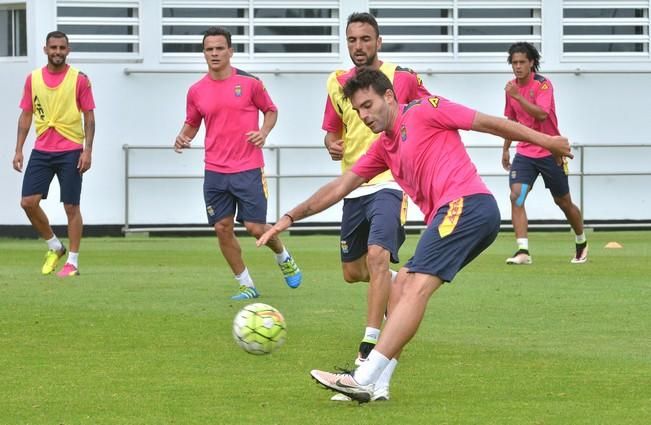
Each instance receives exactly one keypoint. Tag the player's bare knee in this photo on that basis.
(255, 229)
(377, 259)
(71, 210)
(224, 229)
(28, 204)
(353, 274)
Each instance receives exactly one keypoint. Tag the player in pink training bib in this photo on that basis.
(59, 100)
(530, 101)
(229, 102)
(420, 144)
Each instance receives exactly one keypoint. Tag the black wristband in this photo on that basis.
(290, 217)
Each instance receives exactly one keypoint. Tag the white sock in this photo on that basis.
(54, 243)
(394, 275)
(73, 258)
(580, 238)
(244, 278)
(371, 335)
(371, 369)
(385, 377)
(283, 256)
(523, 243)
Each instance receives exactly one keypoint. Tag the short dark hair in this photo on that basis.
(365, 18)
(529, 50)
(365, 78)
(217, 31)
(56, 34)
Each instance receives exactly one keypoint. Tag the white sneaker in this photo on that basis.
(379, 394)
(581, 253)
(520, 257)
(340, 397)
(344, 383)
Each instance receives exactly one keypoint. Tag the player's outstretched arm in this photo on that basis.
(559, 146)
(325, 197)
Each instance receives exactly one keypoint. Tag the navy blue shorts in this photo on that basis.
(525, 170)
(43, 166)
(374, 219)
(459, 232)
(244, 192)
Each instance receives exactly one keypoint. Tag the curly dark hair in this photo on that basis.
(529, 50)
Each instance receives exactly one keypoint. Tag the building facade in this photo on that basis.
(142, 56)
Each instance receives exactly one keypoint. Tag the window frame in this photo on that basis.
(14, 6)
(615, 57)
(135, 39)
(249, 56)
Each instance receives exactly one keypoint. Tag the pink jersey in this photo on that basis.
(406, 83)
(51, 140)
(425, 154)
(540, 92)
(230, 108)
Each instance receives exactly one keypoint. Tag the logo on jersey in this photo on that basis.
(38, 108)
(531, 95)
(210, 210)
(544, 86)
(434, 101)
(403, 133)
(344, 247)
(238, 90)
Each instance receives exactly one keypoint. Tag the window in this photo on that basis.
(456, 28)
(260, 28)
(612, 29)
(13, 30)
(100, 27)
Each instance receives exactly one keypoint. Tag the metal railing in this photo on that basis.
(277, 176)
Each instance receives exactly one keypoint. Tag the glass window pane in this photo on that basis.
(196, 12)
(6, 33)
(292, 13)
(416, 47)
(97, 12)
(410, 13)
(21, 33)
(293, 48)
(97, 29)
(102, 47)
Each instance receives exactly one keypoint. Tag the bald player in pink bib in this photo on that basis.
(229, 102)
(420, 144)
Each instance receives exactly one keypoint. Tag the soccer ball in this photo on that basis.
(259, 329)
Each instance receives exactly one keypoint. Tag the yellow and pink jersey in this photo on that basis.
(425, 154)
(540, 92)
(340, 117)
(56, 99)
(229, 108)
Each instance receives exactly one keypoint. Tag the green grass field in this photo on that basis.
(143, 336)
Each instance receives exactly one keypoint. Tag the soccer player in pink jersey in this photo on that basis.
(530, 101)
(420, 144)
(373, 216)
(229, 101)
(60, 100)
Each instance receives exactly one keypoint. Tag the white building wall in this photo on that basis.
(143, 103)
